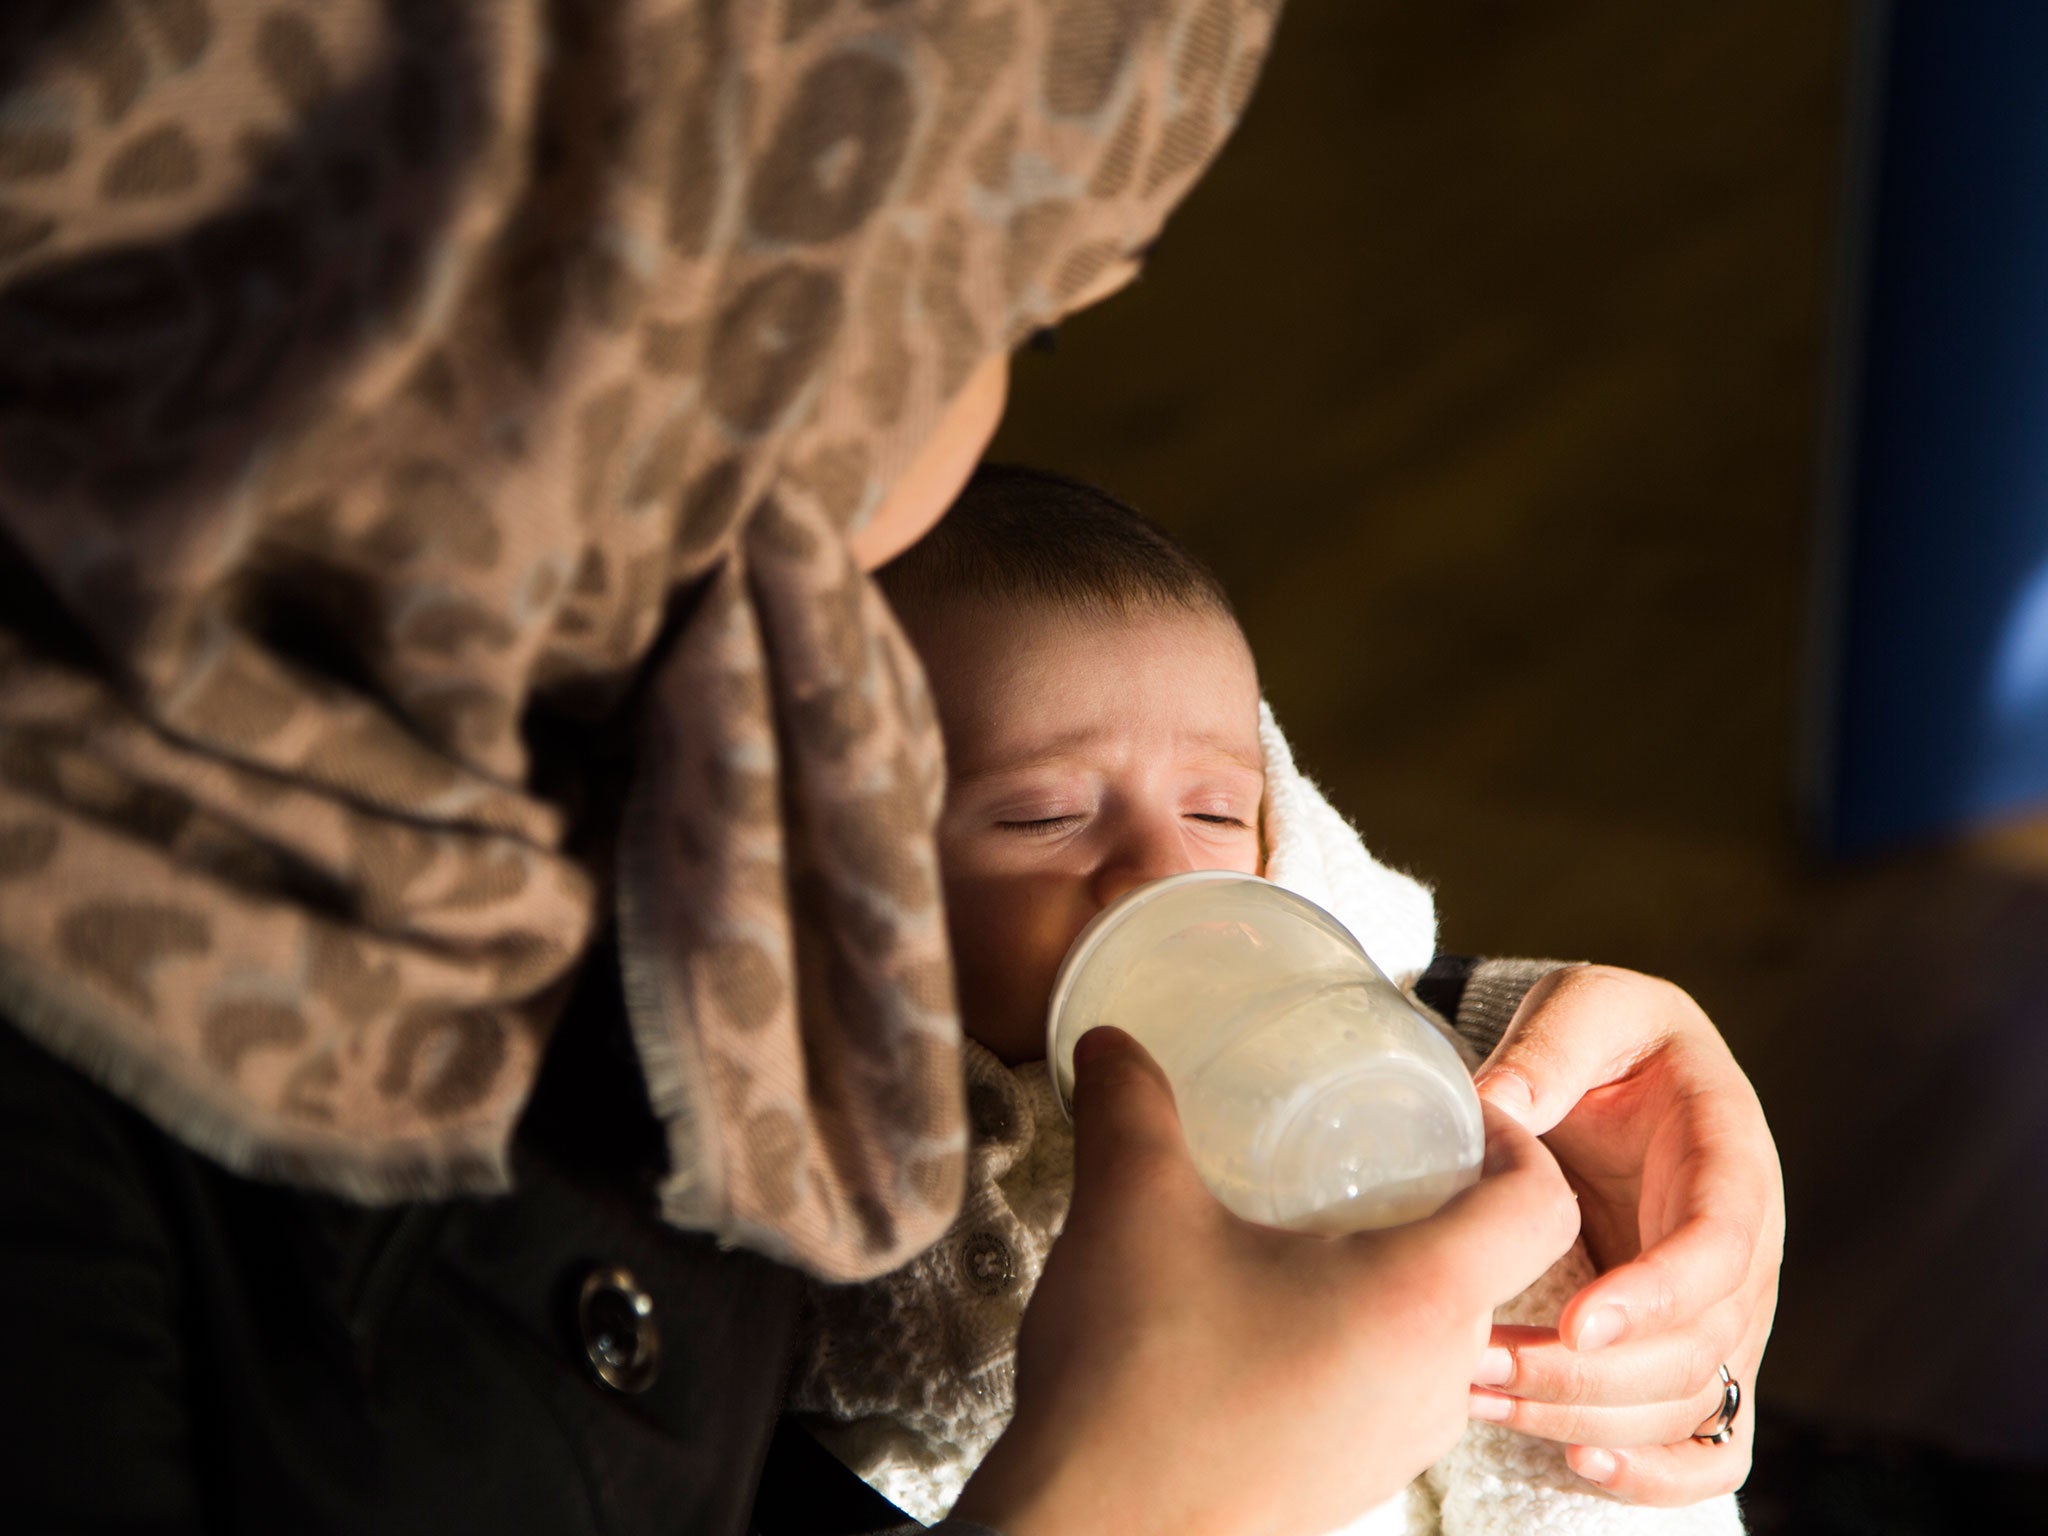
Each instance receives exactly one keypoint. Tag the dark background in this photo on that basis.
(1488, 367)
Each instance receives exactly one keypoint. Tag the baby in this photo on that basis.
(1104, 728)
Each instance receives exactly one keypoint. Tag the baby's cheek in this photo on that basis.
(1009, 936)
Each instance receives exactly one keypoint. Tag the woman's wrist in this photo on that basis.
(1016, 1493)
(1028, 1485)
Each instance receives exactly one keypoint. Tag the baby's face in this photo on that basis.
(1085, 755)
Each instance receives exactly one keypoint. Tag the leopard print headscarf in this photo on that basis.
(405, 403)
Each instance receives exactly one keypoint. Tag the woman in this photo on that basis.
(465, 815)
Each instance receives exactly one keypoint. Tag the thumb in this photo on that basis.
(1579, 1028)
(1126, 1125)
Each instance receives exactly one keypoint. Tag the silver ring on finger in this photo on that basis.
(1720, 1429)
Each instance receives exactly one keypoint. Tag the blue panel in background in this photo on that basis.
(1939, 677)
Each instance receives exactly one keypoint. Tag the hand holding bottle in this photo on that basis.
(1183, 1370)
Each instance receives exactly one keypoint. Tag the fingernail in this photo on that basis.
(1593, 1464)
(1601, 1329)
(1496, 1367)
(1490, 1406)
(1508, 1093)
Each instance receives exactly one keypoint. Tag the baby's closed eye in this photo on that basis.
(1042, 825)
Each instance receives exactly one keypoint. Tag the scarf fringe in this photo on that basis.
(452, 1165)
(693, 1192)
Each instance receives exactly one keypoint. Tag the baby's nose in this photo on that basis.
(1151, 853)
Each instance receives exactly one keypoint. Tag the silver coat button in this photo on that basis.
(620, 1338)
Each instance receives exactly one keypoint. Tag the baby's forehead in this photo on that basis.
(1184, 640)
(1008, 677)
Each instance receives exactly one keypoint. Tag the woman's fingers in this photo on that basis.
(1611, 1409)
(1662, 1135)
(1494, 1240)
(1578, 1029)
(1665, 1475)
(1647, 1455)
(1123, 1102)
(1608, 1428)
(1708, 1209)
(1129, 1152)
(1652, 1424)
(1534, 1364)
(1709, 1259)
(1702, 1196)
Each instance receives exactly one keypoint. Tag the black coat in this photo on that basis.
(190, 1351)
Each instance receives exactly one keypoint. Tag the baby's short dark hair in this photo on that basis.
(1029, 536)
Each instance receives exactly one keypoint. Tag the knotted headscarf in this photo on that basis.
(401, 403)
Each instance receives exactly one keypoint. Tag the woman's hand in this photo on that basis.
(1683, 1209)
(1184, 1371)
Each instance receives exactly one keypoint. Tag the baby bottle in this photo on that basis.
(1312, 1093)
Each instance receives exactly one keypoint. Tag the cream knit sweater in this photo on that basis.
(909, 1379)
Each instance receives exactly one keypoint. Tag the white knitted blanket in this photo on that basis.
(909, 1379)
